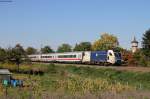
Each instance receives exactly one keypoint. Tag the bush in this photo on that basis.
(140, 58)
(52, 68)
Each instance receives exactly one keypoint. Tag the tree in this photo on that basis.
(119, 49)
(106, 41)
(146, 43)
(2, 55)
(64, 48)
(16, 55)
(140, 58)
(46, 49)
(83, 46)
(31, 50)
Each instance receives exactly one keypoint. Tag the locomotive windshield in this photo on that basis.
(118, 55)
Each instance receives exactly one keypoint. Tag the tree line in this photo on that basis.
(106, 41)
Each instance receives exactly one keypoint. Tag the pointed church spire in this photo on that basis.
(134, 40)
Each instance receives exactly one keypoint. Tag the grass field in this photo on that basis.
(71, 82)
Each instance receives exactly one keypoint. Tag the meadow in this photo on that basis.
(50, 81)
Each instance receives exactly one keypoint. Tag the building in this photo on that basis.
(5, 75)
(134, 45)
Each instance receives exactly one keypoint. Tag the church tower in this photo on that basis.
(134, 44)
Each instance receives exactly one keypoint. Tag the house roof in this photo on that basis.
(4, 72)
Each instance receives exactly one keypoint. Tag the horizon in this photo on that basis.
(39, 23)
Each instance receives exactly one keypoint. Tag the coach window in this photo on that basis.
(61, 56)
(64, 56)
(71, 56)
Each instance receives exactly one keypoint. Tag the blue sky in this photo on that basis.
(53, 22)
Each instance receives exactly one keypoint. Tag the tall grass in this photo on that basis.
(77, 84)
(138, 79)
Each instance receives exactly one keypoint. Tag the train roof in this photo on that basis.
(59, 53)
(103, 51)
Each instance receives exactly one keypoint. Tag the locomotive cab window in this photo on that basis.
(108, 57)
(110, 54)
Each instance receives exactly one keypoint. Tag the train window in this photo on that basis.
(49, 56)
(108, 57)
(32, 57)
(117, 54)
(96, 55)
(110, 54)
(60, 56)
(67, 56)
(46, 56)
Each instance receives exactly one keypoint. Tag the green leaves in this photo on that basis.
(64, 48)
(83, 46)
(46, 49)
(146, 43)
(2, 55)
(31, 50)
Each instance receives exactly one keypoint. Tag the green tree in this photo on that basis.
(16, 55)
(83, 46)
(146, 43)
(31, 50)
(119, 49)
(106, 41)
(2, 55)
(64, 48)
(9, 54)
(46, 49)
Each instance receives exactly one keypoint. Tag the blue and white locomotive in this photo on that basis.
(87, 57)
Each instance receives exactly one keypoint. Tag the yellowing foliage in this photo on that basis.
(106, 41)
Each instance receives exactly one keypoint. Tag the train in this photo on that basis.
(85, 57)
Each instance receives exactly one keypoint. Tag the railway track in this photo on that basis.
(120, 68)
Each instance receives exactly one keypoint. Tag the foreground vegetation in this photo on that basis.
(55, 81)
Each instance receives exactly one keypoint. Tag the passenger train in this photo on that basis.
(86, 57)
